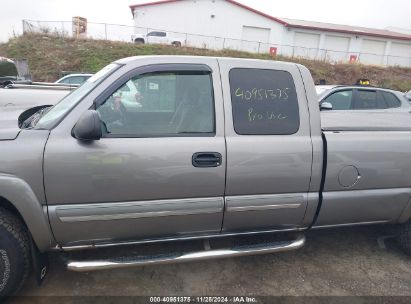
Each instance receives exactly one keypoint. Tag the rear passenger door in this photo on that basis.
(365, 99)
(269, 148)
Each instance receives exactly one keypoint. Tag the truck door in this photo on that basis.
(158, 171)
(269, 146)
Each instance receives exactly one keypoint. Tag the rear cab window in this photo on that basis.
(264, 102)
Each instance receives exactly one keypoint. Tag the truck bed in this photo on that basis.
(368, 168)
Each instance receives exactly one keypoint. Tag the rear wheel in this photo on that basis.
(176, 43)
(14, 253)
(404, 238)
(139, 41)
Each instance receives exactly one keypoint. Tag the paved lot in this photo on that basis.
(345, 261)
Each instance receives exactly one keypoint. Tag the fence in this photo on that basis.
(116, 32)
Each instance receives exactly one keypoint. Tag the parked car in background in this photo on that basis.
(339, 97)
(77, 79)
(320, 89)
(14, 101)
(157, 37)
(14, 71)
(8, 71)
(19, 93)
(129, 96)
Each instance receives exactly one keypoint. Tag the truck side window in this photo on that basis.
(161, 104)
(264, 102)
(340, 100)
(390, 100)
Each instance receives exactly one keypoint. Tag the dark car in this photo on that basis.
(8, 71)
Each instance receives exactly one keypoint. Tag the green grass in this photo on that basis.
(48, 55)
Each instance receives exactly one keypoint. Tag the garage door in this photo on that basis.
(336, 48)
(306, 45)
(400, 54)
(255, 39)
(372, 52)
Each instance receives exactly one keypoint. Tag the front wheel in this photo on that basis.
(404, 238)
(176, 43)
(14, 253)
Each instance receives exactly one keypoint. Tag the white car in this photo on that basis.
(157, 37)
(356, 97)
(76, 79)
(129, 96)
(320, 89)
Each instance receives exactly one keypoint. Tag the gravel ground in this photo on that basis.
(338, 262)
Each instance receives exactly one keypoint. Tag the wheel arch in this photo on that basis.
(139, 40)
(177, 43)
(17, 196)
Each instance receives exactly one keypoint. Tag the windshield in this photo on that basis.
(70, 101)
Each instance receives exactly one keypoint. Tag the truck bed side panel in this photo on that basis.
(368, 177)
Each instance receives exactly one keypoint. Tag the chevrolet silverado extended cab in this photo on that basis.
(216, 148)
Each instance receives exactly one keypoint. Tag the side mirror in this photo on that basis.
(88, 127)
(26, 117)
(326, 106)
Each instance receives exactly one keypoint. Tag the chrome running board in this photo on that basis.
(207, 253)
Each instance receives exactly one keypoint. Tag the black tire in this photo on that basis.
(139, 41)
(15, 256)
(404, 238)
(177, 43)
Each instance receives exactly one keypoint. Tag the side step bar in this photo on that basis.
(125, 262)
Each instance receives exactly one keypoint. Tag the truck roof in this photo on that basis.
(138, 58)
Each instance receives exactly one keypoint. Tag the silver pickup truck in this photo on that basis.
(213, 149)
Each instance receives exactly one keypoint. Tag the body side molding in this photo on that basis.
(264, 202)
(135, 210)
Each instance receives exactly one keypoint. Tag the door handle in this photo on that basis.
(206, 159)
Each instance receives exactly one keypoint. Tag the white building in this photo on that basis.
(222, 24)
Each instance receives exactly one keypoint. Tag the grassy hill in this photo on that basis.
(48, 55)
